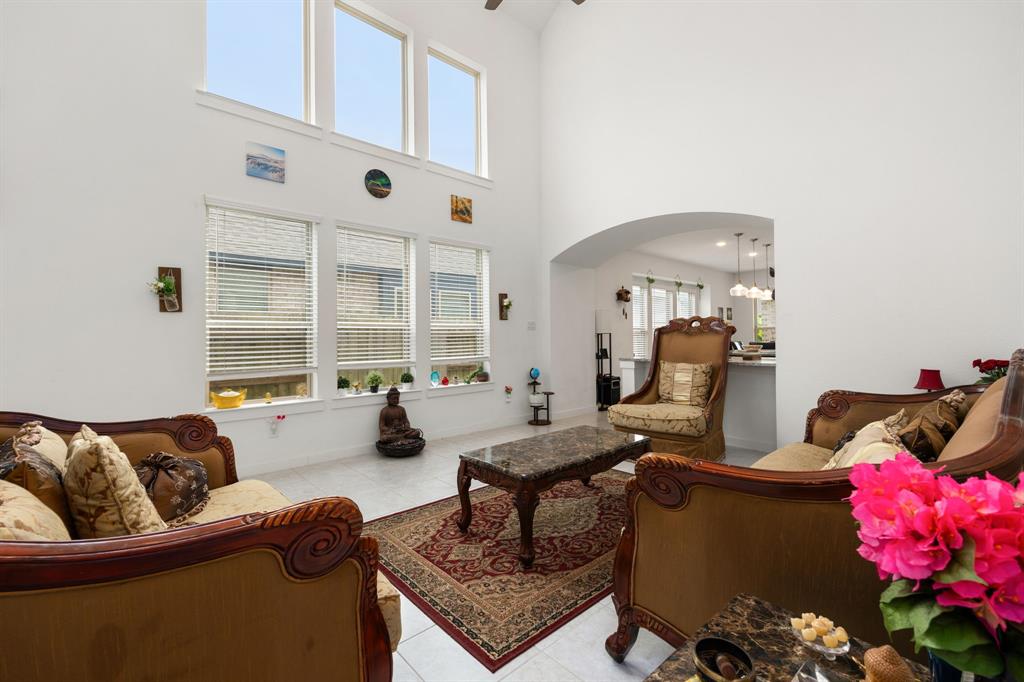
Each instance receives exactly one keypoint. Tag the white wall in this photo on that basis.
(107, 157)
(884, 139)
(619, 271)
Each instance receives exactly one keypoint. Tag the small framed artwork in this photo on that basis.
(264, 162)
(728, 314)
(462, 209)
(721, 313)
(377, 183)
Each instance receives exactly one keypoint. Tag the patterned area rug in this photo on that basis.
(473, 585)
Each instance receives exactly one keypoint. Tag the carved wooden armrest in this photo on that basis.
(667, 480)
(190, 432)
(312, 539)
(837, 405)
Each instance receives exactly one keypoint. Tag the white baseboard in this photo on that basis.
(733, 442)
(251, 468)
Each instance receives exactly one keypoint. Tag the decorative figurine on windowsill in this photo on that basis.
(397, 436)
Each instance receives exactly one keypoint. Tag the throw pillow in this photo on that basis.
(176, 485)
(32, 459)
(684, 383)
(927, 433)
(24, 517)
(843, 440)
(874, 443)
(104, 493)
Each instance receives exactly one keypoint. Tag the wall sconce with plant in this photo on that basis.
(167, 287)
(504, 305)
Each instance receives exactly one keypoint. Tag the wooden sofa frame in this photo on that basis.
(310, 539)
(744, 547)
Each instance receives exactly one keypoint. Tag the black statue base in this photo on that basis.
(402, 448)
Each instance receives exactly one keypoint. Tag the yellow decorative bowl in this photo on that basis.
(223, 402)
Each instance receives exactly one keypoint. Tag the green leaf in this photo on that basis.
(955, 631)
(922, 615)
(981, 660)
(897, 590)
(961, 566)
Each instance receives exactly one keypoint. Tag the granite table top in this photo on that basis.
(550, 453)
(763, 631)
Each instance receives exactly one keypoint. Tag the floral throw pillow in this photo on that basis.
(103, 491)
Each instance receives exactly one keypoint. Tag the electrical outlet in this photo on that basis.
(531, 326)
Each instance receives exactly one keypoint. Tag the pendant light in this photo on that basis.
(738, 289)
(767, 294)
(754, 291)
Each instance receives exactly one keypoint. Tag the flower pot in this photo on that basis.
(171, 304)
(483, 377)
(374, 389)
(945, 672)
(406, 387)
(342, 392)
(536, 400)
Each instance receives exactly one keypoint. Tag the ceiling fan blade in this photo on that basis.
(579, 2)
(492, 4)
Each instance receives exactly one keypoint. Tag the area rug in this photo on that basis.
(473, 585)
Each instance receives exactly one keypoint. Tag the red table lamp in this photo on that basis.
(930, 380)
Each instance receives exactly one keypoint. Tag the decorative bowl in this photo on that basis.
(707, 649)
(223, 402)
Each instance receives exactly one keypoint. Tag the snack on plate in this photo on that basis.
(818, 630)
(809, 634)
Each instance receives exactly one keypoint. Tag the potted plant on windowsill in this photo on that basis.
(480, 375)
(343, 385)
(374, 380)
(406, 380)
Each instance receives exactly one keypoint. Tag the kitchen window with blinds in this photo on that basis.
(376, 306)
(460, 334)
(260, 304)
(655, 305)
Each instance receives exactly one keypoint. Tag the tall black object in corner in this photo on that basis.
(607, 383)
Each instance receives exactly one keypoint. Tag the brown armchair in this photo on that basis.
(691, 431)
(698, 533)
(285, 594)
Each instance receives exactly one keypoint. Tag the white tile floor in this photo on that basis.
(382, 486)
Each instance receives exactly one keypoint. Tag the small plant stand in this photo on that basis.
(545, 408)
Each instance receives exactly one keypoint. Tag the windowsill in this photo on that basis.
(441, 169)
(371, 149)
(254, 113)
(368, 398)
(458, 389)
(255, 410)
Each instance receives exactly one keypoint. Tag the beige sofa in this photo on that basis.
(258, 588)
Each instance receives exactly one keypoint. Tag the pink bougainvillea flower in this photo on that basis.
(1008, 600)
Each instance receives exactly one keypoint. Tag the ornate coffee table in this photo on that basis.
(530, 466)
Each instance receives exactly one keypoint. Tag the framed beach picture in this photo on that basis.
(728, 314)
(721, 313)
(264, 162)
(462, 209)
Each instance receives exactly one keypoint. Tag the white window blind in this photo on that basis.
(260, 294)
(459, 304)
(661, 306)
(641, 349)
(375, 299)
(686, 302)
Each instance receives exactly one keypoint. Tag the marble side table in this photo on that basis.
(763, 630)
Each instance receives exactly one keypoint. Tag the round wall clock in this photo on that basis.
(377, 183)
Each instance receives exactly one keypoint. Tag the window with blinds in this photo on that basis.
(260, 303)
(657, 304)
(459, 307)
(375, 278)
(641, 347)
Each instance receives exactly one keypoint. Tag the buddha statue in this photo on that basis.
(395, 428)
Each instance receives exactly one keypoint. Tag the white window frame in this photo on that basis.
(479, 73)
(374, 17)
(668, 285)
(485, 359)
(314, 222)
(308, 66)
(411, 362)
